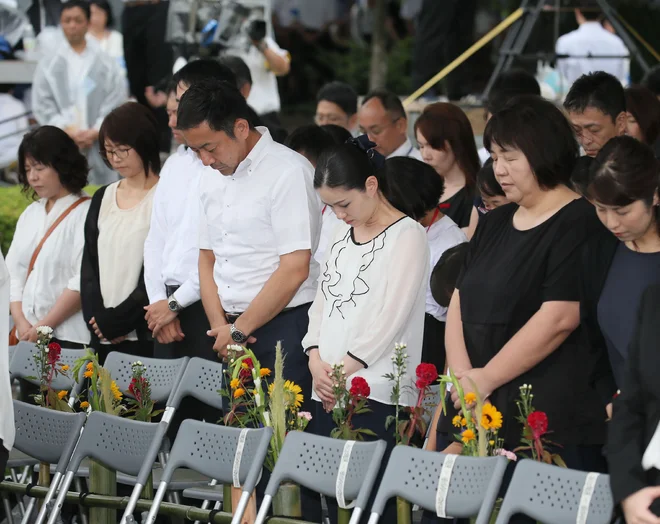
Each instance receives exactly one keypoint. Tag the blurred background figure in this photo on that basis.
(101, 28)
(13, 125)
(337, 104)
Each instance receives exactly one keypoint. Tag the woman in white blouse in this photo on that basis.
(113, 290)
(100, 29)
(45, 289)
(372, 288)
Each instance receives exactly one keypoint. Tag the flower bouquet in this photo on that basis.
(47, 360)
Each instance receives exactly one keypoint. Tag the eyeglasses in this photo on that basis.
(322, 120)
(121, 153)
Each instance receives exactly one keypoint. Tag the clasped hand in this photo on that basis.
(163, 323)
(476, 380)
(223, 339)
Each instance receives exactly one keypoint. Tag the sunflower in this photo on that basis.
(234, 383)
(84, 404)
(239, 393)
(62, 394)
(456, 421)
(115, 391)
(292, 395)
(264, 372)
(467, 436)
(490, 417)
(470, 398)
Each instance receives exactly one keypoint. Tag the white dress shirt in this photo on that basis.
(442, 235)
(7, 429)
(591, 38)
(264, 96)
(57, 267)
(408, 150)
(266, 209)
(484, 155)
(372, 296)
(329, 224)
(171, 252)
(14, 127)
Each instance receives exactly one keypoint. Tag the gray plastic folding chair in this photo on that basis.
(120, 444)
(202, 380)
(341, 469)
(230, 455)
(48, 436)
(449, 485)
(555, 495)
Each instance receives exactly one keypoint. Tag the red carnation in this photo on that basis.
(538, 423)
(54, 352)
(427, 374)
(359, 388)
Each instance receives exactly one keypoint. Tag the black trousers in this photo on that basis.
(4, 457)
(433, 347)
(139, 348)
(148, 57)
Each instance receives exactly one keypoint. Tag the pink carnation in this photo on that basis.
(508, 454)
(306, 415)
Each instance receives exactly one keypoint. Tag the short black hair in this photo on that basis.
(171, 87)
(652, 79)
(538, 129)
(589, 9)
(509, 84)
(309, 141)
(82, 4)
(414, 187)
(445, 273)
(203, 69)
(134, 125)
(105, 5)
(599, 90)
(217, 103)
(487, 184)
(240, 69)
(341, 94)
(339, 134)
(644, 106)
(52, 147)
(391, 102)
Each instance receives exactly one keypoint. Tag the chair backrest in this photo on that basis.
(553, 495)
(164, 374)
(23, 366)
(313, 461)
(119, 443)
(10, 352)
(47, 435)
(211, 450)
(414, 474)
(201, 380)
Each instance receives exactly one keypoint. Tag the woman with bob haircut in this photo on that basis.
(414, 188)
(643, 122)
(113, 289)
(621, 261)
(46, 251)
(446, 142)
(371, 292)
(513, 317)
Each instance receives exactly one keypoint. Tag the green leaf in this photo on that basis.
(389, 421)
(368, 432)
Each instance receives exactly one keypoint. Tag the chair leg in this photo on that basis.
(263, 510)
(158, 498)
(19, 498)
(132, 501)
(28, 511)
(355, 516)
(7, 505)
(82, 512)
(373, 519)
(54, 483)
(240, 508)
(206, 503)
(61, 497)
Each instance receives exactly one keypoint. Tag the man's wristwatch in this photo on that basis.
(237, 335)
(174, 306)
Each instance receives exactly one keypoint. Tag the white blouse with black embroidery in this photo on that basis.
(371, 296)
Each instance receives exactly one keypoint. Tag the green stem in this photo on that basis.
(343, 516)
(102, 481)
(403, 511)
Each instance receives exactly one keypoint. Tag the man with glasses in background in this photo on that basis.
(383, 119)
(337, 104)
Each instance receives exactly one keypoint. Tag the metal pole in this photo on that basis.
(610, 13)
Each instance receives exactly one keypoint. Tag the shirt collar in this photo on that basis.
(60, 205)
(403, 150)
(591, 26)
(257, 154)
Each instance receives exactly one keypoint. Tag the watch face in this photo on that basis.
(173, 305)
(237, 336)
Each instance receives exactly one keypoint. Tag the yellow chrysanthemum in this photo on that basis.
(467, 436)
(470, 398)
(264, 372)
(90, 366)
(234, 383)
(490, 417)
(115, 391)
(456, 421)
(244, 365)
(88, 374)
(491, 442)
(84, 404)
(65, 368)
(463, 421)
(62, 394)
(239, 393)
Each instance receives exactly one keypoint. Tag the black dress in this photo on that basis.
(508, 275)
(459, 206)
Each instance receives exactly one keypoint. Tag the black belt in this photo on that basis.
(170, 290)
(233, 317)
(138, 3)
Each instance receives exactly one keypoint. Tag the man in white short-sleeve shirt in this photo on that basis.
(259, 225)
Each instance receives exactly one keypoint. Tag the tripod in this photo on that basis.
(517, 37)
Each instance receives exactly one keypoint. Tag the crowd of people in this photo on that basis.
(545, 263)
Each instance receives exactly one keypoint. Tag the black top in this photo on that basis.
(637, 409)
(114, 322)
(508, 275)
(459, 206)
(630, 274)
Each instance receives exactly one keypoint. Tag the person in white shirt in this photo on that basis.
(371, 295)
(76, 85)
(7, 428)
(415, 189)
(114, 294)
(259, 225)
(14, 126)
(337, 104)
(101, 25)
(45, 291)
(586, 44)
(383, 119)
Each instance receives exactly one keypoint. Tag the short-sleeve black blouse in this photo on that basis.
(508, 275)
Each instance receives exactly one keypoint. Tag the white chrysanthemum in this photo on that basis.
(45, 330)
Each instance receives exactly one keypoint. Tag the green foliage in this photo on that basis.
(12, 204)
